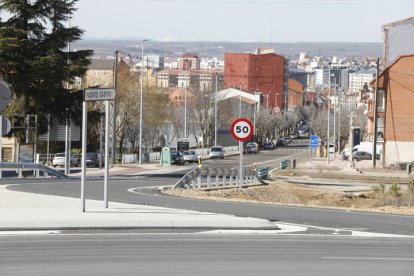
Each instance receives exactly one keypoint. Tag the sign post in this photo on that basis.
(96, 94)
(241, 130)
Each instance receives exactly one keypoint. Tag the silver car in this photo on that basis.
(216, 152)
(59, 160)
(190, 156)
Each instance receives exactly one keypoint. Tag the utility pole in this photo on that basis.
(329, 111)
(141, 103)
(351, 137)
(374, 142)
(114, 112)
(215, 112)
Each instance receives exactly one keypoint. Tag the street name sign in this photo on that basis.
(100, 94)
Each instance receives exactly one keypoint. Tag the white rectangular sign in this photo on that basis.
(100, 94)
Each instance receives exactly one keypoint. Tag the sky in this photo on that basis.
(240, 20)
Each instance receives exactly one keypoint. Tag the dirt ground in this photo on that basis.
(283, 193)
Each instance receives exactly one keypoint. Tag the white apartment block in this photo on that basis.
(359, 78)
(321, 76)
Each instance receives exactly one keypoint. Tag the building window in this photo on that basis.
(381, 100)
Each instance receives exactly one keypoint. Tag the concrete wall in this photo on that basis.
(398, 40)
(398, 152)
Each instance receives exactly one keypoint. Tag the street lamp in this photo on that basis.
(329, 110)
(215, 114)
(141, 101)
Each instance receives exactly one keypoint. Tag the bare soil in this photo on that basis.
(283, 193)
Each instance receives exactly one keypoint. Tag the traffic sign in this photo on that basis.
(100, 94)
(6, 125)
(314, 141)
(242, 129)
(276, 110)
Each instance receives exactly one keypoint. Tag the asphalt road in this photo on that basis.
(145, 191)
(202, 254)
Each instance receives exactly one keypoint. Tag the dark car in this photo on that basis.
(177, 157)
(281, 142)
(363, 155)
(92, 159)
(268, 146)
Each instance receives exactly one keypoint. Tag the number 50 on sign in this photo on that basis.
(242, 129)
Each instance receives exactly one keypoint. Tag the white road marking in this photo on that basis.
(284, 228)
(368, 258)
(29, 233)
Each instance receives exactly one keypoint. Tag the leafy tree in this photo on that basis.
(34, 59)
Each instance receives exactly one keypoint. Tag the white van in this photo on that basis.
(367, 147)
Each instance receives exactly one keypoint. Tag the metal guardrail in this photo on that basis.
(214, 177)
(38, 170)
(284, 164)
(263, 173)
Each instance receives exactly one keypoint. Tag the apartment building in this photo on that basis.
(189, 62)
(358, 79)
(264, 72)
(198, 80)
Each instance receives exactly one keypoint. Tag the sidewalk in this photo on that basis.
(25, 211)
(345, 167)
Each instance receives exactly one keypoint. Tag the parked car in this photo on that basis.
(177, 157)
(268, 146)
(294, 135)
(93, 159)
(288, 138)
(59, 160)
(252, 147)
(363, 155)
(190, 156)
(216, 152)
(281, 142)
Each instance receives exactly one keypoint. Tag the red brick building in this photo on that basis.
(263, 73)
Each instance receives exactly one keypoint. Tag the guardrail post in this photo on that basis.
(224, 177)
(217, 177)
(199, 179)
(208, 177)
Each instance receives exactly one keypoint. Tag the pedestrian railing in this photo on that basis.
(215, 177)
(21, 170)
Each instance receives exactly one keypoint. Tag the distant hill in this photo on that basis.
(217, 49)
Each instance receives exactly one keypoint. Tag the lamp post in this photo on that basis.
(185, 110)
(329, 110)
(141, 101)
(215, 114)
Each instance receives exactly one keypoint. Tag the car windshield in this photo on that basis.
(189, 153)
(215, 149)
(60, 155)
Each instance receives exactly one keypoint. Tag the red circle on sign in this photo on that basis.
(242, 129)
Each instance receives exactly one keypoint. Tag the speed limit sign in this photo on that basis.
(242, 129)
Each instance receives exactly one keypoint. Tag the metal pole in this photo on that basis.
(240, 102)
(215, 112)
(101, 141)
(114, 113)
(185, 110)
(48, 139)
(329, 110)
(106, 173)
(67, 150)
(254, 117)
(84, 141)
(241, 165)
(339, 121)
(141, 103)
(334, 126)
(374, 142)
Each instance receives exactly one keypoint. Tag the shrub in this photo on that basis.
(395, 192)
